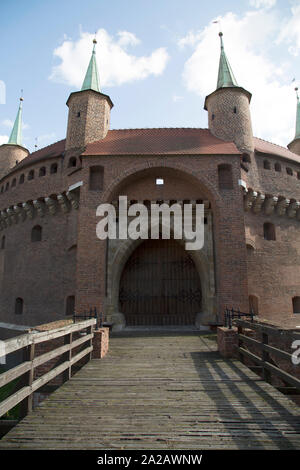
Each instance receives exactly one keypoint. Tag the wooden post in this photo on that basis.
(27, 380)
(266, 358)
(31, 376)
(240, 344)
(67, 356)
(90, 331)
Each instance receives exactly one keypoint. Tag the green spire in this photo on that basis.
(225, 76)
(297, 135)
(16, 133)
(91, 80)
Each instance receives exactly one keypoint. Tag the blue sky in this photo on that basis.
(157, 60)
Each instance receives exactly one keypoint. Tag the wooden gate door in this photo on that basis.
(160, 285)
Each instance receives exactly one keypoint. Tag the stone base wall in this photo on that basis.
(227, 341)
(100, 343)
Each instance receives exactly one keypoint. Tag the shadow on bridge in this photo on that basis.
(242, 410)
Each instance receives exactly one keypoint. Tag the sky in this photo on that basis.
(157, 61)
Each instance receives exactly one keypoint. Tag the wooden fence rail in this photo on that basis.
(265, 349)
(27, 368)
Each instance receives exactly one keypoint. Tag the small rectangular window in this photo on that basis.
(159, 181)
(96, 178)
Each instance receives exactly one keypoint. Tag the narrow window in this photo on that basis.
(296, 304)
(42, 171)
(298, 175)
(36, 233)
(289, 171)
(78, 114)
(212, 117)
(269, 231)
(235, 110)
(225, 176)
(3, 242)
(250, 249)
(267, 165)
(19, 306)
(53, 168)
(72, 162)
(31, 175)
(96, 178)
(253, 304)
(246, 158)
(277, 167)
(70, 305)
(14, 182)
(22, 179)
(7, 187)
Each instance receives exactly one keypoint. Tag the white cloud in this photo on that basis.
(3, 139)
(290, 33)
(248, 40)
(116, 65)
(190, 39)
(262, 3)
(46, 138)
(177, 98)
(9, 123)
(127, 39)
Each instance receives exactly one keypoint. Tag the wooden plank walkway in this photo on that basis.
(161, 391)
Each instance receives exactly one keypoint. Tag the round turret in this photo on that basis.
(228, 108)
(13, 152)
(229, 116)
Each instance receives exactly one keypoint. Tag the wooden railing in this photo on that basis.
(26, 370)
(265, 361)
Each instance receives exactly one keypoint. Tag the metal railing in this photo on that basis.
(100, 318)
(231, 314)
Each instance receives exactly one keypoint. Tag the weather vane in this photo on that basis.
(219, 23)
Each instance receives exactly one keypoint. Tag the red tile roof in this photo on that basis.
(51, 151)
(274, 149)
(170, 141)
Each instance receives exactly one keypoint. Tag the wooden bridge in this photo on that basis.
(157, 390)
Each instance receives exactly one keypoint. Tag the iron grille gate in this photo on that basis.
(160, 285)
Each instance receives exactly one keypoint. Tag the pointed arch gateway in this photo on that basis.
(118, 252)
(160, 285)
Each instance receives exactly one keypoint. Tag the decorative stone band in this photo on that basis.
(39, 207)
(169, 202)
(268, 204)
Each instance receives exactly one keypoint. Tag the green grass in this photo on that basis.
(5, 392)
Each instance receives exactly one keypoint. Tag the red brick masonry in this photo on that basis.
(227, 341)
(100, 343)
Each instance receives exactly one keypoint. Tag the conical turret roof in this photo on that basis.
(91, 80)
(226, 76)
(16, 133)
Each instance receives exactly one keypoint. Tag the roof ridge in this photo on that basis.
(157, 128)
(50, 145)
(272, 143)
